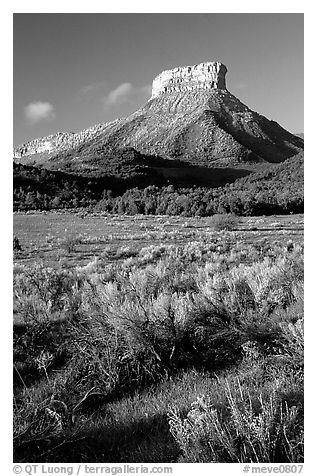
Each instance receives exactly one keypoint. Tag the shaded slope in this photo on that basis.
(277, 190)
(36, 187)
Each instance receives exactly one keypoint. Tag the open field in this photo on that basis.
(41, 234)
(158, 339)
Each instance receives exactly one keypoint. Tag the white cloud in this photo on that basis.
(119, 94)
(127, 93)
(94, 87)
(39, 111)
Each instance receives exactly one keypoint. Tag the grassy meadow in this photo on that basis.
(158, 339)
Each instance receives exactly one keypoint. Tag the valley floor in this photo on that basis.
(44, 235)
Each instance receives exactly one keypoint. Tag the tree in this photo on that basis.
(55, 202)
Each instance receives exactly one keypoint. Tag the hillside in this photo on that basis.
(37, 187)
(279, 188)
(289, 173)
(190, 117)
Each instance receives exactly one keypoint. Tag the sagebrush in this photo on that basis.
(87, 338)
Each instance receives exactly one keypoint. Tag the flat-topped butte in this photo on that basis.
(209, 75)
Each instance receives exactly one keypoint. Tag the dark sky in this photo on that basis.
(75, 70)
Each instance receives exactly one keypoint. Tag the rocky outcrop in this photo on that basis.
(59, 141)
(189, 78)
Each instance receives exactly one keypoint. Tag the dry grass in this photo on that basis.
(41, 234)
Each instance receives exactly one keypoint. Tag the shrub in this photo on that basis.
(93, 335)
(69, 243)
(16, 244)
(255, 430)
(125, 252)
(226, 222)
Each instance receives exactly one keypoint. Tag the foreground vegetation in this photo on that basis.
(188, 352)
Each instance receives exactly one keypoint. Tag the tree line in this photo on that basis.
(278, 190)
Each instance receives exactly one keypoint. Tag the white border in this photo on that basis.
(178, 6)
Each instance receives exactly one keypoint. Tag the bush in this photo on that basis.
(16, 244)
(246, 430)
(226, 222)
(69, 243)
(88, 336)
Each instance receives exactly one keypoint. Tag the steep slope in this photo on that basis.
(191, 116)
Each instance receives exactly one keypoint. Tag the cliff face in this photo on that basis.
(191, 116)
(189, 78)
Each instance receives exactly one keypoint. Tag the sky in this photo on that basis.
(74, 70)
